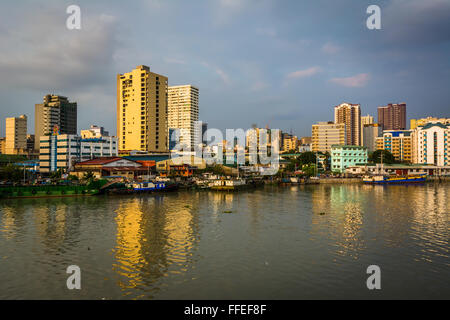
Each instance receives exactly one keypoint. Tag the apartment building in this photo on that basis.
(326, 134)
(344, 156)
(431, 144)
(392, 116)
(370, 134)
(142, 101)
(183, 113)
(414, 123)
(16, 135)
(397, 142)
(350, 115)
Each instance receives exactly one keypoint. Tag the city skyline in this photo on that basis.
(313, 69)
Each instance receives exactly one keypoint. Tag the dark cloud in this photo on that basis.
(417, 22)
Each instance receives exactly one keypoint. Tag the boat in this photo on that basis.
(386, 179)
(228, 184)
(147, 186)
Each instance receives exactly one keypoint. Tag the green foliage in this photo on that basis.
(11, 173)
(309, 169)
(375, 157)
(307, 158)
(73, 178)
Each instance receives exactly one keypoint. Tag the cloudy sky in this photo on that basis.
(271, 62)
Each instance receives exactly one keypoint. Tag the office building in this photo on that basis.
(350, 115)
(142, 111)
(183, 114)
(58, 152)
(397, 142)
(326, 134)
(64, 151)
(344, 156)
(392, 116)
(16, 135)
(98, 147)
(55, 111)
(370, 134)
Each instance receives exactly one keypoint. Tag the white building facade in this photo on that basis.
(431, 144)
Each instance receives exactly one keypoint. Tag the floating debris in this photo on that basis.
(228, 211)
(322, 213)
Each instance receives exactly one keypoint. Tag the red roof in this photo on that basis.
(124, 169)
(99, 161)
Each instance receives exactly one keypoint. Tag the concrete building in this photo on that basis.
(63, 151)
(98, 147)
(366, 120)
(112, 167)
(344, 156)
(399, 169)
(326, 134)
(183, 114)
(55, 111)
(204, 130)
(16, 135)
(397, 142)
(289, 142)
(414, 123)
(350, 115)
(432, 144)
(94, 132)
(2, 145)
(370, 134)
(58, 152)
(305, 140)
(142, 111)
(392, 116)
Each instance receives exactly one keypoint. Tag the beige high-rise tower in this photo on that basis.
(183, 113)
(16, 135)
(350, 115)
(142, 111)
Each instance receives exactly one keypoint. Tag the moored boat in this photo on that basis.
(385, 179)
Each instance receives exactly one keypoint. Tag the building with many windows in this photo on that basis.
(344, 156)
(16, 135)
(414, 123)
(326, 134)
(432, 144)
(98, 147)
(63, 151)
(183, 114)
(142, 111)
(392, 116)
(397, 142)
(289, 142)
(350, 115)
(55, 111)
(58, 152)
(370, 134)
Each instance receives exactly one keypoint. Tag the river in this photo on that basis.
(299, 242)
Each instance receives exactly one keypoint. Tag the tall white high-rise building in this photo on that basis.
(183, 113)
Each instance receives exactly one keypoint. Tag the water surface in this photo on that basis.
(298, 242)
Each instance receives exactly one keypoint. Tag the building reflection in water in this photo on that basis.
(155, 237)
(338, 209)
